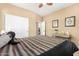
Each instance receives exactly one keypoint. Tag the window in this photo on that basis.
(20, 25)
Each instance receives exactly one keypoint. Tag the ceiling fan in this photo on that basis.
(41, 4)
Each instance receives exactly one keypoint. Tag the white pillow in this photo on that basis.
(4, 39)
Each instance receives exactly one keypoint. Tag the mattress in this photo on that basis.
(31, 46)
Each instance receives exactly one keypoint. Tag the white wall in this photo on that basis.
(20, 25)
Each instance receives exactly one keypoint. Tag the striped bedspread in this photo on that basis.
(31, 46)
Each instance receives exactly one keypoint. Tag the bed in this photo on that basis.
(40, 46)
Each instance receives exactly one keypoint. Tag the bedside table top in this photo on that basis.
(76, 53)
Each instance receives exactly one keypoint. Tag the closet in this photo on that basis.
(41, 28)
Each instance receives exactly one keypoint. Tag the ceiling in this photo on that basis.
(43, 10)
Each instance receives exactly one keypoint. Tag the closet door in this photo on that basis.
(20, 25)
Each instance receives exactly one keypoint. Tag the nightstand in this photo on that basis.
(63, 36)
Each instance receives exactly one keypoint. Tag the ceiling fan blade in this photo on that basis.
(40, 5)
(49, 3)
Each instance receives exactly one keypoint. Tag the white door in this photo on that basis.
(20, 25)
(42, 28)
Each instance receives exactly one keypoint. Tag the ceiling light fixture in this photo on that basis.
(41, 4)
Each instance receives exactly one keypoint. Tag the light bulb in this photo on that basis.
(2, 31)
(44, 3)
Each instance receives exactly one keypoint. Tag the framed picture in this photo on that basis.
(70, 21)
(54, 23)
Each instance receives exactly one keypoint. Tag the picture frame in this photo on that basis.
(55, 23)
(70, 21)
